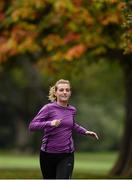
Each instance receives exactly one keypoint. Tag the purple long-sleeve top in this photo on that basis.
(56, 139)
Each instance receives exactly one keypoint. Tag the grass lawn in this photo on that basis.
(87, 165)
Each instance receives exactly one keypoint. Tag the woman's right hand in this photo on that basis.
(56, 122)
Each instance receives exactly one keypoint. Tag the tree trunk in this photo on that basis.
(123, 166)
(21, 135)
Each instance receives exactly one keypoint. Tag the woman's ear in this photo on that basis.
(55, 93)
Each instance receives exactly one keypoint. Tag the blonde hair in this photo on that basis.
(53, 89)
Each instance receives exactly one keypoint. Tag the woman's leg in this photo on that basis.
(47, 165)
(65, 167)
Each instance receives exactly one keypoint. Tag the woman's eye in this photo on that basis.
(61, 90)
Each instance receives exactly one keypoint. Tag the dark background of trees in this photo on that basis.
(24, 91)
(87, 42)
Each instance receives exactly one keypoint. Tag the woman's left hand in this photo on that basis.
(91, 133)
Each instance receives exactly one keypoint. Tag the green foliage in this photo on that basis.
(99, 101)
(127, 26)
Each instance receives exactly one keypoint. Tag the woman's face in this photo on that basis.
(63, 92)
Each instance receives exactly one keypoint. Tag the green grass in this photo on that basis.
(93, 165)
(96, 162)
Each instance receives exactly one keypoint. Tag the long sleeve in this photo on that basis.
(79, 129)
(39, 122)
(76, 127)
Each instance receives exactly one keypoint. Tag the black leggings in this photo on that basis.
(56, 166)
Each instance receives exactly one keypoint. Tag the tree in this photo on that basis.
(68, 30)
(123, 166)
